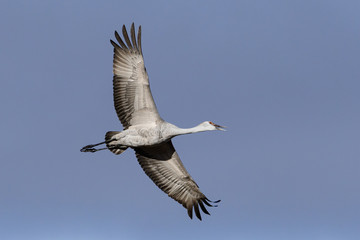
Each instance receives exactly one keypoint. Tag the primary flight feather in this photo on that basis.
(145, 131)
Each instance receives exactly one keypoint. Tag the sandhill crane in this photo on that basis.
(145, 131)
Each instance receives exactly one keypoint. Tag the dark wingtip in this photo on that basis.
(213, 201)
(190, 212)
(117, 36)
(139, 39)
(120, 41)
(208, 202)
(203, 208)
(197, 212)
(133, 37)
(113, 43)
(126, 37)
(200, 205)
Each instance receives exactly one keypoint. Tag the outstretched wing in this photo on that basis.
(163, 165)
(133, 101)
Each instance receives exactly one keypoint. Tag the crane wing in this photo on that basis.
(133, 101)
(163, 165)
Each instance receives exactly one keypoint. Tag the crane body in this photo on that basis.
(145, 131)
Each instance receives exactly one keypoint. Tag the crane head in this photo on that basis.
(215, 126)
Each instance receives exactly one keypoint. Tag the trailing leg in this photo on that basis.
(90, 148)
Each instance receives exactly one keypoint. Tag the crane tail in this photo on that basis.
(113, 148)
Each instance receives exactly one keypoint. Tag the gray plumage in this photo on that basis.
(145, 131)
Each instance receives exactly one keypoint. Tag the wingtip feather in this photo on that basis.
(126, 37)
(121, 42)
(203, 208)
(133, 37)
(114, 44)
(208, 202)
(139, 39)
(190, 212)
(197, 212)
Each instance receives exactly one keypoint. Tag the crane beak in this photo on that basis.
(218, 127)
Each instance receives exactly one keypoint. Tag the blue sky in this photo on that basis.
(283, 76)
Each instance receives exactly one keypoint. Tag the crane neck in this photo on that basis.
(181, 131)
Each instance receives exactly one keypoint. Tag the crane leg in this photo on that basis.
(90, 147)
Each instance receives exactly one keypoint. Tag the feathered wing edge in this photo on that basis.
(134, 44)
(164, 167)
(122, 64)
(131, 81)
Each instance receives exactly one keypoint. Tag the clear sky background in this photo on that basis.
(283, 76)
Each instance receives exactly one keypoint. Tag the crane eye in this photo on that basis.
(211, 123)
